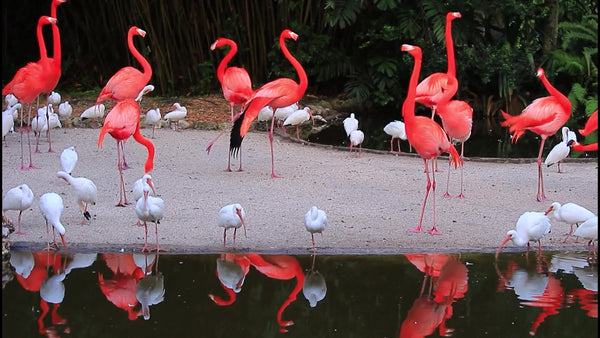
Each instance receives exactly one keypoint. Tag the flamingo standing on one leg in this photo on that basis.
(425, 135)
(440, 87)
(278, 93)
(544, 116)
(27, 84)
(122, 122)
(235, 83)
(457, 121)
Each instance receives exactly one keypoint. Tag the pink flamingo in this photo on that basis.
(278, 93)
(439, 87)
(122, 122)
(425, 135)
(544, 116)
(457, 121)
(235, 83)
(28, 84)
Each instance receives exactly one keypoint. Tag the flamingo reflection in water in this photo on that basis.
(120, 289)
(534, 288)
(282, 267)
(448, 282)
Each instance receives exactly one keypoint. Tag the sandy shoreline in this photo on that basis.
(371, 201)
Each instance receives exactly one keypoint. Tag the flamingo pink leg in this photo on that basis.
(271, 144)
(541, 195)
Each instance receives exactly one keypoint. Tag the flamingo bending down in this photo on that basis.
(544, 116)
(128, 82)
(231, 216)
(397, 130)
(562, 149)
(278, 93)
(85, 191)
(570, 213)
(18, 198)
(457, 121)
(316, 221)
(440, 87)
(531, 227)
(426, 136)
(122, 122)
(52, 206)
(149, 209)
(297, 118)
(28, 84)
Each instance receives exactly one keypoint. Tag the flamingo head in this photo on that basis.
(414, 50)
(288, 34)
(140, 32)
(540, 72)
(453, 15)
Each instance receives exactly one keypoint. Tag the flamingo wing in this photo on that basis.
(236, 85)
(435, 88)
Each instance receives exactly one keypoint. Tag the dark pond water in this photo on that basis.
(488, 138)
(417, 295)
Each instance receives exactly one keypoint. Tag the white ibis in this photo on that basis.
(531, 227)
(18, 198)
(570, 213)
(231, 216)
(316, 221)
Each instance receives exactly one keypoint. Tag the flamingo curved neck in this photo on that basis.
(40, 38)
(147, 69)
(562, 99)
(137, 135)
(223, 65)
(297, 66)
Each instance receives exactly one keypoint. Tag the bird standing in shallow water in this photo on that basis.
(531, 227)
(316, 221)
(231, 216)
(18, 198)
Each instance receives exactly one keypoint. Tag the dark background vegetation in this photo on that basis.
(350, 49)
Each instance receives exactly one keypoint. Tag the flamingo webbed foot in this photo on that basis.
(415, 229)
(461, 195)
(446, 195)
(433, 231)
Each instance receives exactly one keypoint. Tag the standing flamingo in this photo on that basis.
(440, 87)
(18, 198)
(128, 82)
(544, 116)
(531, 227)
(457, 121)
(27, 84)
(235, 81)
(122, 122)
(52, 206)
(424, 135)
(52, 66)
(278, 93)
